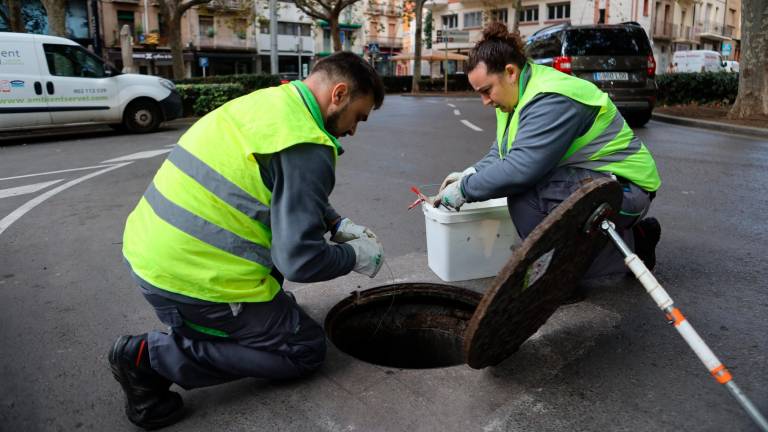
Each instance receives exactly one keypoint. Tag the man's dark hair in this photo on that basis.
(358, 73)
(497, 49)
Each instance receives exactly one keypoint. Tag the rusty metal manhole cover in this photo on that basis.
(541, 273)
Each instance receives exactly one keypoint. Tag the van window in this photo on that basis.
(607, 42)
(72, 61)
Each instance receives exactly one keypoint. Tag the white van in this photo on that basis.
(50, 81)
(697, 61)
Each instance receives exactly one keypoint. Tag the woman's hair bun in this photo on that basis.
(496, 31)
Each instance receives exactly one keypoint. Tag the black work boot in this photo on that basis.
(149, 404)
(647, 233)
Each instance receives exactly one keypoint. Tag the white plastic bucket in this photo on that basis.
(473, 243)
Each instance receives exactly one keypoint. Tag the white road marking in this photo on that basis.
(34, 202)
(468, 124)
(170, 145)
(452, 105)
(54, 172)
(27, 189)
(135, 156)
(456, 112)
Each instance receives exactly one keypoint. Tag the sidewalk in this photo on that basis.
(710, 118)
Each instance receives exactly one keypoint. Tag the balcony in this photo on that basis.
(662, 31)
(682, 33)
(226, 5)
(225, 42)
(383, 10)
(385, 42)
(730, 31)
(710, 30)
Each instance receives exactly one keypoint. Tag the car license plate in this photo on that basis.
(611, 76)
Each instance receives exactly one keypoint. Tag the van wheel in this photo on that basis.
(141, 116)
(639, 119)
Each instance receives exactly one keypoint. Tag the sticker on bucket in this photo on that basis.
(537, 269)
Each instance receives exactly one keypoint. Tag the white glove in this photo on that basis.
(457, 176)
(451, 196)
(349, 230)
(369, 255)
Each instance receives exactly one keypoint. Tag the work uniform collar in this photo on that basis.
(525, 76)
(314, 109)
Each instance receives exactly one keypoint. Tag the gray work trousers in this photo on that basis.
(270, 340)
(531, 207)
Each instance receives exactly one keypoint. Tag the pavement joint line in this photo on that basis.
(726, 128)
(15, 215)
(469, 124)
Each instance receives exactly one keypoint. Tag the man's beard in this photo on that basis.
(332, 123)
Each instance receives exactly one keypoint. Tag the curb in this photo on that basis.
(704, 124)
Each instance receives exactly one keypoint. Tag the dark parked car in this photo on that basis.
(618, 58)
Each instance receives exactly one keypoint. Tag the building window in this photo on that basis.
(161, 27)
(645, 7)
(529, 14)
(264, 28)
(287, 28)
(559, 11)
(450, 21)
(305, 29)
(126, 18)
(473, 19)
(205, 24)
(500, 15)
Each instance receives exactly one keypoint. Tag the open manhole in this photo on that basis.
(410, 325)
(424, 325)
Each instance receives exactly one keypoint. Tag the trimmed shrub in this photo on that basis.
(200, 99)
(250, 82)
(702, 88)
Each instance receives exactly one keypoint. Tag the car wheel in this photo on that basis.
(141, 116)
(639, 119)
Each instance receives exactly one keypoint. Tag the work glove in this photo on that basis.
(369, 255)
(456, 177)
(347, 230)
(451, 196)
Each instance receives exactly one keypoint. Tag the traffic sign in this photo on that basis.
(203, 62)
(726, 49)
(452, 36)
(373, 47)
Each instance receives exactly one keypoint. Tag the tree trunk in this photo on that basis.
(515, 22)
(177, 49)
(333, 22)
(57, 16)
(14, 16)
(417, 48)
(753, 77)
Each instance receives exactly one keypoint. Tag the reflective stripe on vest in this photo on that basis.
(608, 146)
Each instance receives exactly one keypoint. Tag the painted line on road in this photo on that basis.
(34, 202)
(469, 124)
(54, 172)
(135, 156)
(27, 189)
(456, 112)
(452, 105)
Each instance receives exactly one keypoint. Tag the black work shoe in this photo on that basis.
(647, 233)
(149, 404)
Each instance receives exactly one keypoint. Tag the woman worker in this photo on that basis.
(554, 133)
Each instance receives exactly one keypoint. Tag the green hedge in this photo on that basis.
(250, 82)
(704, 87)
(199, 99)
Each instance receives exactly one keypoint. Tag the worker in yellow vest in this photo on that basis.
(240, 204)
(554, 132)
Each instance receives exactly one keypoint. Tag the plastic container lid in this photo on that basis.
(469, 212)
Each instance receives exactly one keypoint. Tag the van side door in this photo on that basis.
(22, 100)
(79, 86)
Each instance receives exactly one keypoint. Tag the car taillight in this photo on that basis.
(651, 66)
(563, 64)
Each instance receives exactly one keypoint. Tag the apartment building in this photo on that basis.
(680, 25)
(384, 34)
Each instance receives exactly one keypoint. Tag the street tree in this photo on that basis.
(57, 16)
(13, 16)
(418, 9)
(172, 11)
(753, 76)
(329, 11)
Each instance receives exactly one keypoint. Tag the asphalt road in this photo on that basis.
(609, 363)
